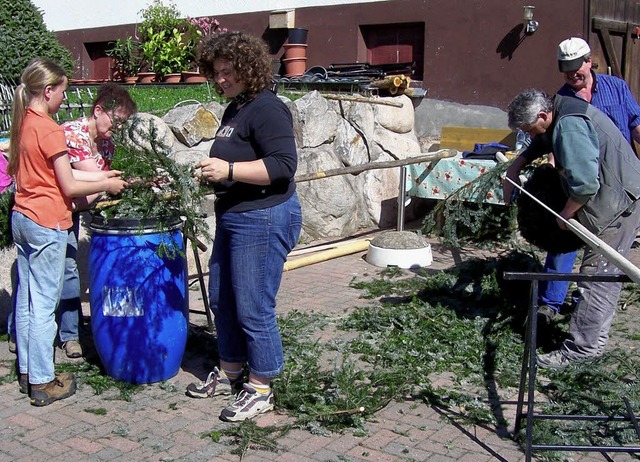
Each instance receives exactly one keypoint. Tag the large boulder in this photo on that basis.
(317, 120)
(331, 207)
(330, 135)
(396, 119)
(141, 126)
(192, 124)
(350, 145)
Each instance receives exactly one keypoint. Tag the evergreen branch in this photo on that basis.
(160, 188)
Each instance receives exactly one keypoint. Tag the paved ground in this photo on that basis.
(162, 424)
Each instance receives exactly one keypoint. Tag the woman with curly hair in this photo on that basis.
(258, 221)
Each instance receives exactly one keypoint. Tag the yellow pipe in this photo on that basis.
(318, 248)
(357, 246)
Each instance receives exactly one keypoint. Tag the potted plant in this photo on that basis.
(200, 28)
(137, 261)
(127, 56)
(168, 41)
(167, 51)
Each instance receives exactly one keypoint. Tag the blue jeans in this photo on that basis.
(11, 326)
(41, 254)
(553, 293)
(249, 253)
(70, 305)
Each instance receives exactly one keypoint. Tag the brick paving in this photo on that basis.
(162, 424)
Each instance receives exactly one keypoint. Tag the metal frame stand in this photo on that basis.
(203, 289)
(528, 372)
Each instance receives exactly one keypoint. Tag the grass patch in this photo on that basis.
(154, 99)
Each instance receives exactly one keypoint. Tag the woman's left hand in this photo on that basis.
(213, 169)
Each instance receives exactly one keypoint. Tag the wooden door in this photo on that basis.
(615, 39)
(101, 64)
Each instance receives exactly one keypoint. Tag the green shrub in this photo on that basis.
(23, 36)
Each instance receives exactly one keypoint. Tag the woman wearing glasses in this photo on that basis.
(91, 148)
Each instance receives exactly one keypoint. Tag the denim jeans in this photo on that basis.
(11, 325)
(553, 293)
(41, 254)
(68, 312)
(249, 253)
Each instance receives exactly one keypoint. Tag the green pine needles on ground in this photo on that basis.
(464, 328)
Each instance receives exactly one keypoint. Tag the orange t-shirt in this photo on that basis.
(38, 193)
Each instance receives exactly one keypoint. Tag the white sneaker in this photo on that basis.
(216, 384)
(248, 404)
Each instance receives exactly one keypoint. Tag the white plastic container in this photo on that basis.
(401, 258)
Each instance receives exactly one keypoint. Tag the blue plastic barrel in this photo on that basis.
(139, 299)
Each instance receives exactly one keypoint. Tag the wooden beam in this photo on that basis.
(627, 53)
(609, 51)
(619, 27)
(356, 169)
(362, 99)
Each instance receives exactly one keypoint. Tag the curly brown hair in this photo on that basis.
(248, 55)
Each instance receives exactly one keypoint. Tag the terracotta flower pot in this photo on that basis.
(193, 77)
(294, 50)
(146, 77)
(294, 66)
(172, 78)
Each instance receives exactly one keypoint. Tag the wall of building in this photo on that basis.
(63, 15)
(475, 51)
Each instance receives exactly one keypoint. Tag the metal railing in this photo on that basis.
(77, 102)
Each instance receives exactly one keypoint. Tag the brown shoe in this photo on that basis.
(63, 386)
(72, 348)
(12, 345)
(23, 383)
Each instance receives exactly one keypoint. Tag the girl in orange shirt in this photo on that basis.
(40, 219)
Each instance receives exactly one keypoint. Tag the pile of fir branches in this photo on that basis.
(464, 217)
(159, 188)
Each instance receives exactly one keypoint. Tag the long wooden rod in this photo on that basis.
(589, 238)
(356, 169)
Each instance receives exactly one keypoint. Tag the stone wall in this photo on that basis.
(329, 134)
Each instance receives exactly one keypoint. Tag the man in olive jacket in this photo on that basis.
(601, 176)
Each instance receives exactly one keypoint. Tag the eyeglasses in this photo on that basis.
(116, 122)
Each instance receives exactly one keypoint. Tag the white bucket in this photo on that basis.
(401, 258)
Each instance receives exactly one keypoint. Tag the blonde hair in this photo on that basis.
(38, 75)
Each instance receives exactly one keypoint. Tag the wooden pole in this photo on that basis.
(590, 239)
(356, 169)
(319, 248)
(363, 99)
(353, 170)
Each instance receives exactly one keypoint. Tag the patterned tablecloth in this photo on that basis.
(440, 178)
